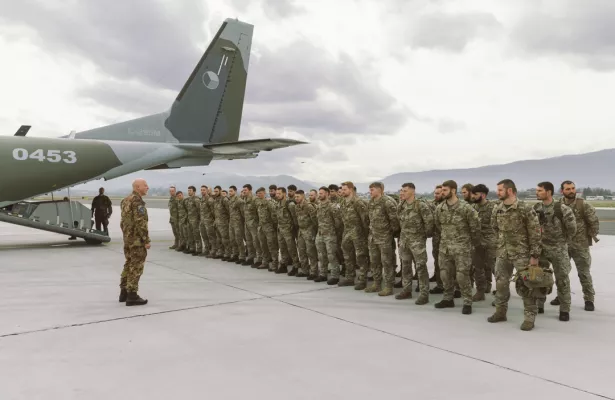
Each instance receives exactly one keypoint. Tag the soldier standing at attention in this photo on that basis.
(102, 210)
(355, 220)
(236, 225)
(174, 216)
(251, 219)
(181, 222)
(435, 244)
(208, 232)
(336, 198)
(134, 225)
(484, 255)
(417, 224)
(466, 193)
(222, 216)
(383, 226)
(557, 224)
(287, 221)
(272, 191)
(518, 230)
(307, 220)
(313, 196)
(267, 230)
(588, 228)
(329, 222)
(460, 229)
(194, 221)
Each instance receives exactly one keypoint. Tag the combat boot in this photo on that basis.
(403, 295)
(467, 310)
(527, 326)
(360, 286)
(555, 302)
(498, 316)
(248, 261)
(346, 282)
(479, 296)
(282, 269)
(195, 254)
(333, 281)
(375, 287)
(239, 261)
(311, 277)
(445, 304)
(320, 278)
(133, 299)
(301, 274)
(123, 295)
(422, 300)
(564, 316)
(257, 264)
(180, 248)
(292, 272)
(173, 247)
(263, 266)
(187, 251)
(589, 306)
(387, 291)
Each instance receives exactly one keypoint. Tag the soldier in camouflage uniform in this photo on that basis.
(182, 223)
(313, 196)
(134, 225)
(173, 217)
(435, 244)
(307, 221)
(417, 224)
(384, 226)
(460, 230)
(355, 220)
(222, 217)
(237, 224)
(588, 228)
(251, 227)
(292, 190)
(194, 221)
(272, 192)
(518, 230)
(207, 229)
(336, 198)
(484, 255)
(267, 230)
(329, 221)
(557, 223)
(287, 223)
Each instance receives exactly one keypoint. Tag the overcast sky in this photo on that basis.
(376, 87)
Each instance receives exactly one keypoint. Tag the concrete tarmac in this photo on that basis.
(220, 330)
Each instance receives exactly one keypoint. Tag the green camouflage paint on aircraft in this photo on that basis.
(202, 125)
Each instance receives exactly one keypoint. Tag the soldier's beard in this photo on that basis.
(571, 196)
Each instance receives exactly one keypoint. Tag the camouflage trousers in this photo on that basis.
(175, 229)
(195, 231)
(238, 248)
(133, 267)
(308, 255)
(484, 267)
(253, 243)
(185, 230)
(583, 261)
(356, 254)
(504, 267)
(222, 230)
(455, 269)
(327, 254)
(558, 257)
(414, 249)
(381, 258)
(340, 253)
(208, 234)
(435, 252)
(269, 245)
(288, 247)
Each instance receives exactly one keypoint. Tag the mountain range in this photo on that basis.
(593, 169)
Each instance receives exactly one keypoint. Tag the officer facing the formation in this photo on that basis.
(484, 254)
(102, 210)
(518, 230)
(588, 228)
(460, 232)
(134, 225)
(174, 216)
(557, 223)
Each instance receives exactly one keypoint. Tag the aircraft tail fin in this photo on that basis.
(209, 107)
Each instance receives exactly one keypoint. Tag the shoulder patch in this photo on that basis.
(141, 210)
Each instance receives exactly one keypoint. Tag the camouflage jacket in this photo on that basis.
(193, 207)
(286, 215)
(207, 209)
(588, 225)
(250, 211)
(221, 210)
(436, 232)
(307, 217)
(517, 229)
(383, 220)
(557, 223)
(329, 218)
(266, 213)
(236, 205)
(134, 221)
(355, 217)
(488, 237)
(173, 209)
(459, 226)
(182, 211)
(416, 221)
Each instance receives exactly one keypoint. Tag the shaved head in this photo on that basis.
(140, 186)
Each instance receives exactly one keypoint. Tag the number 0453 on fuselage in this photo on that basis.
(201, 125)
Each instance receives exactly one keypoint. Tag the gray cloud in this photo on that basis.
(582, 31)
(451, 32)
(137, 39)
(272, 8)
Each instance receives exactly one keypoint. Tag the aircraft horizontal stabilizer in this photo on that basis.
(245, 146)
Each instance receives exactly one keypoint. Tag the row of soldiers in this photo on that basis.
(334, 236)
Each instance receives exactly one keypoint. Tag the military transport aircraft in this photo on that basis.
(201, 125)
